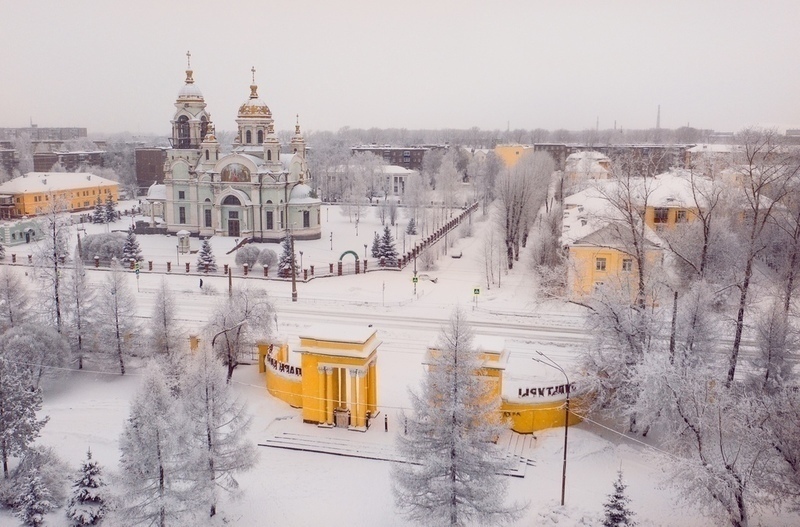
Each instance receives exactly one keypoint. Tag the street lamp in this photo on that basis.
(301, 260)
(550, 362)
(365, 251)
(178, 253)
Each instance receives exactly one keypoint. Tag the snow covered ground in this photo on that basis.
(289, 488)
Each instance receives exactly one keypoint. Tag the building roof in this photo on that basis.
(53, 182)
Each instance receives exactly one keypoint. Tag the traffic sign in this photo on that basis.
(476, 291)
(415, 279)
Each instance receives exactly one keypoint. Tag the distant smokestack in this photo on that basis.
(658, 118)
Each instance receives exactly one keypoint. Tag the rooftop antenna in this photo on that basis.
(188, 60)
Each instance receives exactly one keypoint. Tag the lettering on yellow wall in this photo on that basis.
(546, 391)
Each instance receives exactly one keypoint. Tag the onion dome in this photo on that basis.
(300, 192)
(190, 91)
(254, 107)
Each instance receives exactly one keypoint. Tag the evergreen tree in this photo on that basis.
(376, 246)
(99, 215)
(412, 227)
(116, 325)
(131, 252)
(87, 506)
(287, 259)
(205, 258)
(35, 501)
(452, 477)
(110, 212)
(18, 406)
(2, 251)
(617, 512)
(387, 250)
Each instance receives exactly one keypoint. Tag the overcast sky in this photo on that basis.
(115, 66)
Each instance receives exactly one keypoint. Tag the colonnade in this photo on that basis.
(358, 394)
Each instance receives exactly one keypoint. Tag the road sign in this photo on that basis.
(415, 279)
(476, 291)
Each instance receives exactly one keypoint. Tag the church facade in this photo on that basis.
(257, 191)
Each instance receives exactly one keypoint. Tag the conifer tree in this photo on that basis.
(2, 251)
(18, 406)
(99, 215)
(388, 251)
(412, 227)
(205, 258)
(110, 212)
(131, 252)
(617, 512)
(288, 258)
(34, 502)
(453, 472)
(87, 506)
(376, 246)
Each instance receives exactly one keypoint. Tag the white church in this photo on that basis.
(254, 192)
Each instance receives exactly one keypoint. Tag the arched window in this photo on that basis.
(261, 137)
(231, 200)
(248, 137)
(183, 132)
(206, 155)
(203, 127)
(269, 155)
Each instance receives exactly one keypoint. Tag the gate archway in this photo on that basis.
(348, 252)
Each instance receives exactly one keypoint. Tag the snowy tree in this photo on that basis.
(35, 502)
(165, 339)
(375, 251)
(2, 251)
(237, 325)
(217, 436)
(14, 299)
(80, 297)
(19, 403)
(268, 258)
(44, 462)
(106, 246)
(131, 252)
(417, 196)
(288, 261)
(153, 461)
(387, 249)
(452, 477)
(51, 255)
(411, 228)
(617, 513)
(99, 214)
(247, 255)
(117, 328)
(87, 506)
(205, 258)
(109, 209)
(39, 348)
(393, 208)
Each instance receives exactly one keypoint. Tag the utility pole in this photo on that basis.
(294, 271)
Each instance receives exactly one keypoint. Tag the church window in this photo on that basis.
(281, 225)
(260, 136)
(207, 213)
(269, 155)
(231, 200)
(183, 132)
(248, 137)
(206, 154)
(306, 219)
(270, 222)
(181, 214)
(181, 194)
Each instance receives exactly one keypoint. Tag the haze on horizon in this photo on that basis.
(114, 67)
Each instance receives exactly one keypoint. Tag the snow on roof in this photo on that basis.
(53, 182)
(338, 333)
(714, 148)
(397, 170)
(586, 154)
(157, 192)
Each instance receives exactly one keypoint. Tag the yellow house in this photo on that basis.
(511, 154)
(331, 374)
(33, 193)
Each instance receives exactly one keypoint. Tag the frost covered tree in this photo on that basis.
(39, 348)
(247, 255)
(238, 324)
(617, 513)
(288, 260)
(206, 262)
(116, 327)
(375, 250)
(217, 436)
(99, 214)
(153, 461)
(165, 339)
(87, 505)
(452, 475)
(51, 255)
(131, 252)
(44, 462)
(35, 502)
(80, 297)
(387, 249)
(411, 228)
(109, 209)
(268, 258)
(14, 299)
(2, 251)
(19, 426)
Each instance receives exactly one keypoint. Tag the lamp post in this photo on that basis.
(178, 253)
(365, 251)
(551, 363)
(301, 260)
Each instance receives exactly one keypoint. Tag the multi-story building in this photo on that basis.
(36, 133)
(409, 157)
(34, 192)
(69, 161)
(149, 166)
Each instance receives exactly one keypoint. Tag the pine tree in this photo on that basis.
(205, 258)
(388, 251)
(452, 477)
(2, 251)
(131, 252)
(110, 212)
(412, 227)
(35, 501)
(376, 246)
(288, 258)
(99, 215)
(617, 512)
(87, 506)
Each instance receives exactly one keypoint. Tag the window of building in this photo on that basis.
(680, 216)
(181, 194)
(260, 136)
(206, 154)
(598, 285)
(306, 219)
(181, 214)
(248, 135)
(270, 222)
(85, 203)
(661, 215)
(269, 155)
(207, 214)
(600, 264)
(233, 214)
(627, 264)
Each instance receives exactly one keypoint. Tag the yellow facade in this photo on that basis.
(527, 418)
(668, 217)
(34, 193)
(511, 154)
